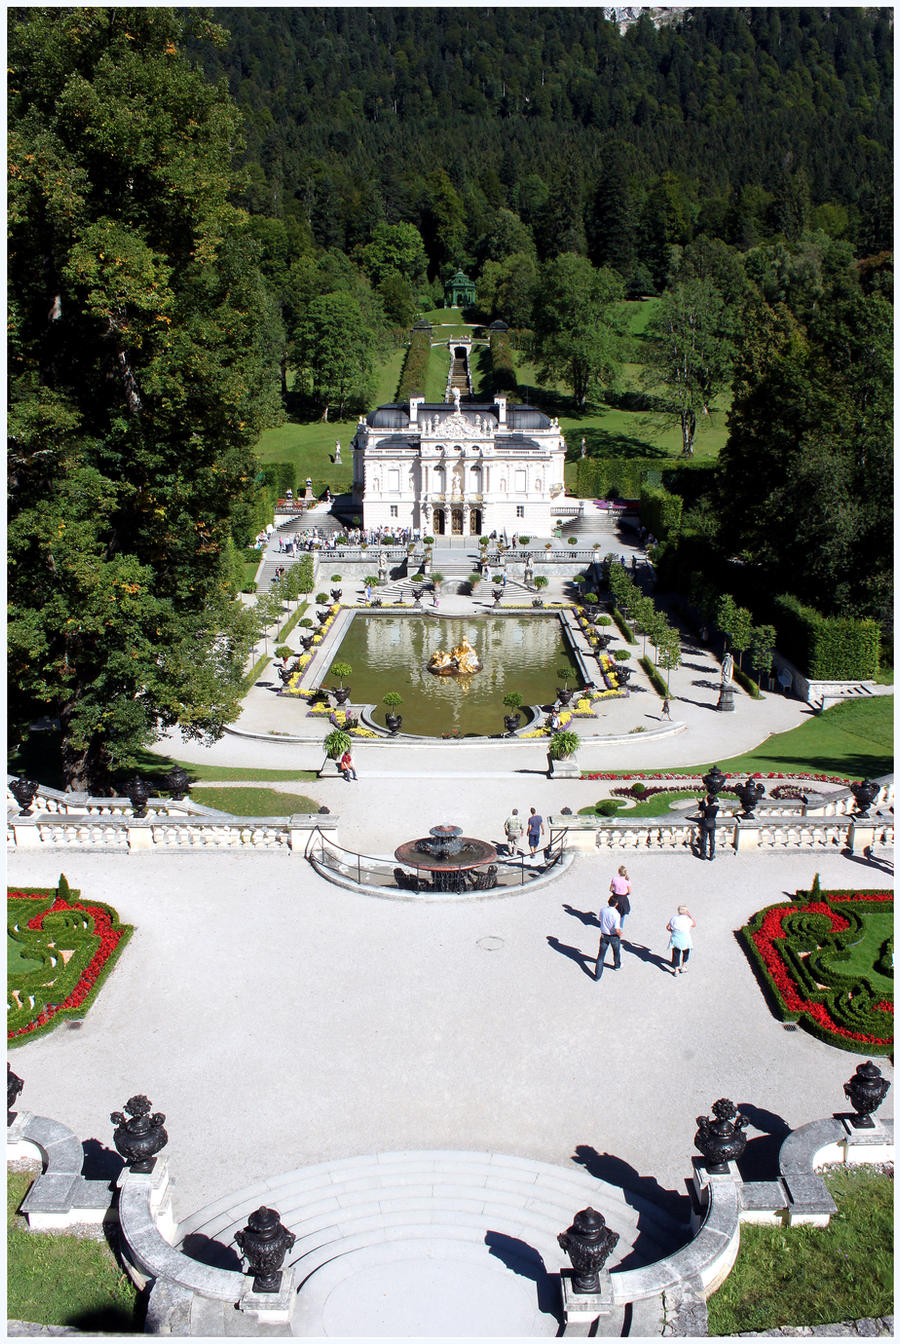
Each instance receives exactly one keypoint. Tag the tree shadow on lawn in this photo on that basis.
(852, 766)
(613, 443)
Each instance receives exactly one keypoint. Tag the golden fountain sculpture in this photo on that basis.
(459, 662)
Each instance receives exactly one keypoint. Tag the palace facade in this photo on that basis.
(446, 468)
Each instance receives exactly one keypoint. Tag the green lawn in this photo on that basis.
(656, 806)
(855, 740)
(310, 444)
(863, 955)
(815, 1275)
(438, 369)
(252, 802)
(61, 1280)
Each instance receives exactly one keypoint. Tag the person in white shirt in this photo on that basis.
(610, 936)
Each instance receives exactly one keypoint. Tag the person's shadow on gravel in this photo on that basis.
(587, 964)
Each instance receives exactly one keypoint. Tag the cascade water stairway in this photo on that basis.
(430, 1243)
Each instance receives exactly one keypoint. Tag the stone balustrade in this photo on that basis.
(167, 833)
(733, 834)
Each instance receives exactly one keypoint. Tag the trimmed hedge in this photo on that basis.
(747, 683)
(623, 477)
(48, 922)
(503, 375)
(827, 648)
(656, 680)
(796, 949)
(660, 510)
(624, 628)
(415, 366)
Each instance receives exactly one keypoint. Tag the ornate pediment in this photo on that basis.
(458, 426)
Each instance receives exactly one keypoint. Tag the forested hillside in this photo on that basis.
(739, 123)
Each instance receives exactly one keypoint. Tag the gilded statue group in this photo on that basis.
(460, 661)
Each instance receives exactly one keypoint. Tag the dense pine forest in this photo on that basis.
(736, 122)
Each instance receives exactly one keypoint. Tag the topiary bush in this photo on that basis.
(46, 985)
(608, 807)
(799, 951)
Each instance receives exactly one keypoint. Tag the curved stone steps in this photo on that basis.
(341, 1208)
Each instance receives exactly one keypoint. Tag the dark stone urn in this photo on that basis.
(721, 1140)
(588, 1244)
(140, 1138)
(866, 1091)
(178, 781)
(564, 696)
(307, 642)
(341, 694)
(512, 722)
(14, 1085)
(337, 593)
(714, 781)
(264, 1243)
(865, 794)
(750, 794)
(393, 722)
(24, 791)
(624, 675)
(138, 791)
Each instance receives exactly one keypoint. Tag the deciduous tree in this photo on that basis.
(141, 369)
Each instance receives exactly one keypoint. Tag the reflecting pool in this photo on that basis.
(391, 653)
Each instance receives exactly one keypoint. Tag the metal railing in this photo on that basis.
(331, 861)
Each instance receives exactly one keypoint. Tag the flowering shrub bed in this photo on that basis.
(800, 950)
(743, 774)
(76, 945)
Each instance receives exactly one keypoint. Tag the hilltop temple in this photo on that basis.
(451, 469)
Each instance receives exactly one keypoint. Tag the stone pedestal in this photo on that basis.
(726, 697)
(585, 1308)
(270, 1308)
(159, 1200)
(25, 833)
(567, 769)
(18, 1148)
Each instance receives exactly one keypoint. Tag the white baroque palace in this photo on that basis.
(446, 468)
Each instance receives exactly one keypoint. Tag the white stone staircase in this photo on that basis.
(489, 1220)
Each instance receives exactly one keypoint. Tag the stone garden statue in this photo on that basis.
(337, 452)
(727, 668)
(382, 567)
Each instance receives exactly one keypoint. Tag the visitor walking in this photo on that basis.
(513, 828)
(667, 709)
(610, 936)
(708, 812)
(346, 766)
(620, 887)
(535, 831)
(680, 940)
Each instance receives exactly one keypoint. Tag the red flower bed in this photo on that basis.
(102, 926)
(845, 1015)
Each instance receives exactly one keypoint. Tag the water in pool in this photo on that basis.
(391, 653)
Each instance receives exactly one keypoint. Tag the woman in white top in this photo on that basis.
(680, 940)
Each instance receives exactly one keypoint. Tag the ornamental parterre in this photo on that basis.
(74, 946)
(802, 951)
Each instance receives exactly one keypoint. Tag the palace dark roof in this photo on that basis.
(395, 415)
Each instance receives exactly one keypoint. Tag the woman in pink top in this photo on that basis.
(620, 887)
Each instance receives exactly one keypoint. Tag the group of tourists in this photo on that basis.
(612, 917)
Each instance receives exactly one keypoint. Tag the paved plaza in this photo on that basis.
(280, 1021)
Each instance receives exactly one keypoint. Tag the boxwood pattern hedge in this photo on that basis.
(796, 948)
(77, 945)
